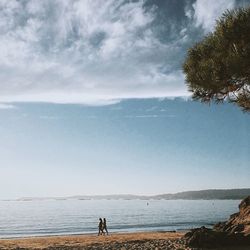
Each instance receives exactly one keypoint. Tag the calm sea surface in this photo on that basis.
(55, 217)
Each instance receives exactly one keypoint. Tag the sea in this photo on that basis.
(69, 216)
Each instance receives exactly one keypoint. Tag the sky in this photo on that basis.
(93, 100)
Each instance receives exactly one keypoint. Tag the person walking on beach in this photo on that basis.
(100, 227)
(105, 226)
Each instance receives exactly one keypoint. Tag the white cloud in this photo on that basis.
(48, 117)
(150, 116)
(6, 106)
(207, 11)
(90, 51)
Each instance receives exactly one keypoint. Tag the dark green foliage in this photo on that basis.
(218, 68)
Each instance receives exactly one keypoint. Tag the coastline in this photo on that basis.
(139, 240)
(17, 237)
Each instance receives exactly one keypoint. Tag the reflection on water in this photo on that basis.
(48, 217)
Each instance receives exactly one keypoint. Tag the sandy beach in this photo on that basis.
(122, 241)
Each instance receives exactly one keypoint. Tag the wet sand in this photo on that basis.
(118, 241)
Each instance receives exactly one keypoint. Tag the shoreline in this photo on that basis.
(181, 231)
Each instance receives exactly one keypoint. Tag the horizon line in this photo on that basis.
(127, 194)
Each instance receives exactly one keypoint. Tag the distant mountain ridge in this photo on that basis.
(209, 194)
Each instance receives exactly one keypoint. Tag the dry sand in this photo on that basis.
(123, 241)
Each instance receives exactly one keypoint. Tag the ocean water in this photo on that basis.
(58, 217)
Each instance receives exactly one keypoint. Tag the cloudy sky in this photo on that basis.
(96, 51)
(83, 88)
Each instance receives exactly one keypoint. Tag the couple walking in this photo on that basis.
(102, 227)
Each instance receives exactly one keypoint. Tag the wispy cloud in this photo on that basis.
(207, 12)
(150, 116)
(49, 117)
(6, 106)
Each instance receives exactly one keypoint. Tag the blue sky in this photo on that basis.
(93, 100)
(145, 146)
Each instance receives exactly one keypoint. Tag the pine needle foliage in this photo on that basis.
(218, 68)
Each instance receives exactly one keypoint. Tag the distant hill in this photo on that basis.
(210, 194)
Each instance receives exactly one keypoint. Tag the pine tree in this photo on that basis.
(218, 68)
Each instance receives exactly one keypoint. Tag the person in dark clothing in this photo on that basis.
(105, 226)
(100, 227)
